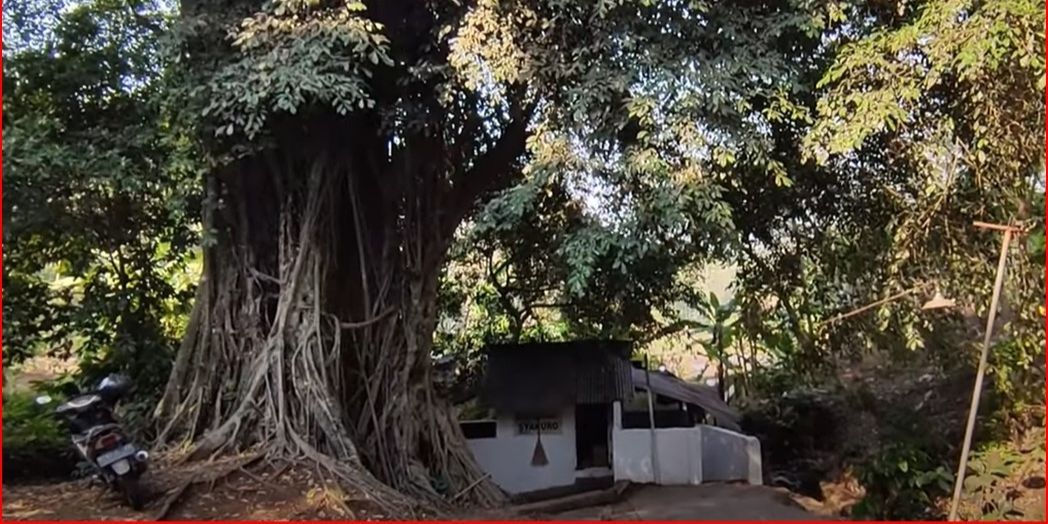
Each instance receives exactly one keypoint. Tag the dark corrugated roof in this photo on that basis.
(705, 397)
(603, 381)
(544, 377)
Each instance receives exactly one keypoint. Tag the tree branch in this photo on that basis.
(670, 329)
(491, 172)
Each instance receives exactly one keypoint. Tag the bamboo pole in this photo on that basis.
(656, 474)
(973, 410)
(872, 305)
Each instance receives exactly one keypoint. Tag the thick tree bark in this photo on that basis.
(312, 331)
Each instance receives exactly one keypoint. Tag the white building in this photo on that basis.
(573, 415)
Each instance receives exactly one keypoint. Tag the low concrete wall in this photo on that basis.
(679, 452)
(685, 455)
(508, 456)
(730, 456)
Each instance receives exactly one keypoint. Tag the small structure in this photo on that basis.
(576, 414)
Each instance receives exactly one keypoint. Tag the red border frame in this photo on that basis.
(1046, 224)
(232, 521)
(1, 264)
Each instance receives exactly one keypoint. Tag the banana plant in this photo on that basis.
(718, 321)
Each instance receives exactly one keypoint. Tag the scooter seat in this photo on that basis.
(78, 404)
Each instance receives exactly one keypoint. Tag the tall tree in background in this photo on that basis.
(352, 139)
(927, 116)
(880, 153)
(946, 98)
(100, 192)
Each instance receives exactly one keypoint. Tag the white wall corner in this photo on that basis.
(753, 452)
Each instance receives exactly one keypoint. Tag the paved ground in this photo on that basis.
(705, 502)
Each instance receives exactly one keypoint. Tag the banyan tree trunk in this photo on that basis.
(311, 334)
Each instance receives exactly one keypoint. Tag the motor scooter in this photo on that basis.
(101, 440)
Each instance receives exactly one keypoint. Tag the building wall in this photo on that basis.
(730, 456)
(508, 456)
(686, 456)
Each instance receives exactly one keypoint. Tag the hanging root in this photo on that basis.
(408, 437)
(265, 365)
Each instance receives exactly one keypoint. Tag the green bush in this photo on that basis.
(28, 426)
(903, 481)
(35, 444)
(996, 486)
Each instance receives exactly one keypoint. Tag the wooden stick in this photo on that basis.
(655, 473)
(973, 410)
(999, 227)
(471, 485)
(872, 305)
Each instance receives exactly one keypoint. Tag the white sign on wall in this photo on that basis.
(533, 426)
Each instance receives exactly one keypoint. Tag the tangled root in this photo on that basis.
(269, 364)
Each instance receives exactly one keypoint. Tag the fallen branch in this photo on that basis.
(579, 500)
(180, 490)
(170, 501)
(469, 487)
(280, 471)
(254, 477)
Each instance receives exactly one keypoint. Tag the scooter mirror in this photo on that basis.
(43, 400)
(115, 383)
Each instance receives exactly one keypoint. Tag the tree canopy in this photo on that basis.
(101, 199)
(373, 183)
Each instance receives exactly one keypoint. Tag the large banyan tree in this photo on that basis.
(349, 140)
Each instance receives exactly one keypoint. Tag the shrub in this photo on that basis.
(1004, 479)
(35, 445)
(27, 425)
(903, 481)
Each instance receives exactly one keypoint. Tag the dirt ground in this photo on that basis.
(705, 502)
(275, 495)
(259, 493)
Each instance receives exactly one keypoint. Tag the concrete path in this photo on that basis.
(705, 502)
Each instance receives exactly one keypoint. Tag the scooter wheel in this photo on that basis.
(133, 491)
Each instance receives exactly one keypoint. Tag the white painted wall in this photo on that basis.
(508, 456)
(730, 456)
(685, 455)
(679, 452)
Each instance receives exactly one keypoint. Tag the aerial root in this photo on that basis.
(270, 359)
